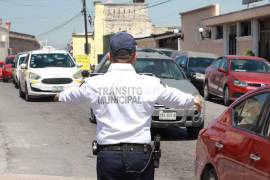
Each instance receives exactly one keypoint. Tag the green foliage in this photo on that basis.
(249, 53)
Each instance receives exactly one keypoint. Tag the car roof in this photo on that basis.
(48, 50)
(198, 54)
(244, 57)
(151, 53)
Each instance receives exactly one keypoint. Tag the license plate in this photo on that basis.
(57, 88)
(169, 116)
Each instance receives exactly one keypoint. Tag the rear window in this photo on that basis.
(200, 62)
(1, 65)
(10, 60)
(51, 60)
(255, 66)
(161, 68)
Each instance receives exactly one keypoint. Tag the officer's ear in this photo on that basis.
(133, 57)
(110, 56)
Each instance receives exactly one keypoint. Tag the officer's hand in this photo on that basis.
(56, 98)
(198, 103)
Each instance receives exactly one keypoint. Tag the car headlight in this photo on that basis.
(33, 76)
(78, 75)
(240, 83)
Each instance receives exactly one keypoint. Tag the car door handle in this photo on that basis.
(254, 157)
(219, 145)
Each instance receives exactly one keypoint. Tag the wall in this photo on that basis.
(4, 42)
(191, 22)
(244, 44)
(78, 42)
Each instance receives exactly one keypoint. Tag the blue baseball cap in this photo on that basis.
(122, 42)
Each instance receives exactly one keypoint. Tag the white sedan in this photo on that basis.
(46, 72)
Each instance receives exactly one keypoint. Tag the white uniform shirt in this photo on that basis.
(123, 101)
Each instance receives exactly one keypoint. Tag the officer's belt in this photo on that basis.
(125, 147)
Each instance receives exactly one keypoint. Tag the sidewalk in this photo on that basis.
(41, 177)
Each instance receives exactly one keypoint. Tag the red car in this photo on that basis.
(7, 69)
(1, 70)
(232, 76)
(236, 146)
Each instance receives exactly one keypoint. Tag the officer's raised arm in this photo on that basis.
(175, 98)
(73, 94)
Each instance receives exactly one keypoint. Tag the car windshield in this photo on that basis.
(255, 66)
(161, 68)
(51, 60)
(195, 62)
(9, 60)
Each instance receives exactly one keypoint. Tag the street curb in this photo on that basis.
(41, 177)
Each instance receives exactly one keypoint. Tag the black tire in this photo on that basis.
(5, 80)
(21, 94)
(209, 174)
(193, 132)
(226, 96)
(27, 97)
(206, 94)
(92, 117)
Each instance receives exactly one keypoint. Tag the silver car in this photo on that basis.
(170, 74)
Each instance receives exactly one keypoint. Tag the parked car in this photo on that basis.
(236, 145)
(1, 70)
(15, 71)
(163, 67)
(46, 72)
(7, 69)
(7, 72)
(194, 65)
(232, 76)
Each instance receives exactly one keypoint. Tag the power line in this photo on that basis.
(60, 25)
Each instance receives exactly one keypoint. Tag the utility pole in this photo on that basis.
(86, 46)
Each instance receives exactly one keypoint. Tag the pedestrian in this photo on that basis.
(123, 102)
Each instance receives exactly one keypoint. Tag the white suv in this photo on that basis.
(46, 72)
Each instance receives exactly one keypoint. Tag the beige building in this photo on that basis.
(231, 33)
(4, 41)
(111, 18)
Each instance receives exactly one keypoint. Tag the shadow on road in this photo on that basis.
(171, 134)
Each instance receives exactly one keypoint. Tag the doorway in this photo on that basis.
(232, 40)
(264, 42)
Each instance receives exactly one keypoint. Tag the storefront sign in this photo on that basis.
(84, 60)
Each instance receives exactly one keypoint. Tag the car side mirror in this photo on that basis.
(222, 70)
(85, 74)
(23, 66)
(79, 65)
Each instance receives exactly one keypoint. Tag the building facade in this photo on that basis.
(19, 42)
(111, 18)
(4, 41)
(232, 33)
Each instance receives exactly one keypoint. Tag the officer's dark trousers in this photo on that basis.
(118, 165)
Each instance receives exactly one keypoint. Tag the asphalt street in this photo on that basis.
(46, 139)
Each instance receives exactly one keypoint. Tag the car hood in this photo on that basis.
(252, 77)
(183, 85)
(55, 72)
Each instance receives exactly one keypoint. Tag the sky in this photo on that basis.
(37, 17)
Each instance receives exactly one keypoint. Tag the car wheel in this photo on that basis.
(21, 94)
(227, 96)
(193, 132)
(27, 97)
(92, 117)
(210, 174)
(206, 94)
(5, 80)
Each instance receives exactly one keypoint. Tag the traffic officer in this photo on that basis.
(122, 102)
